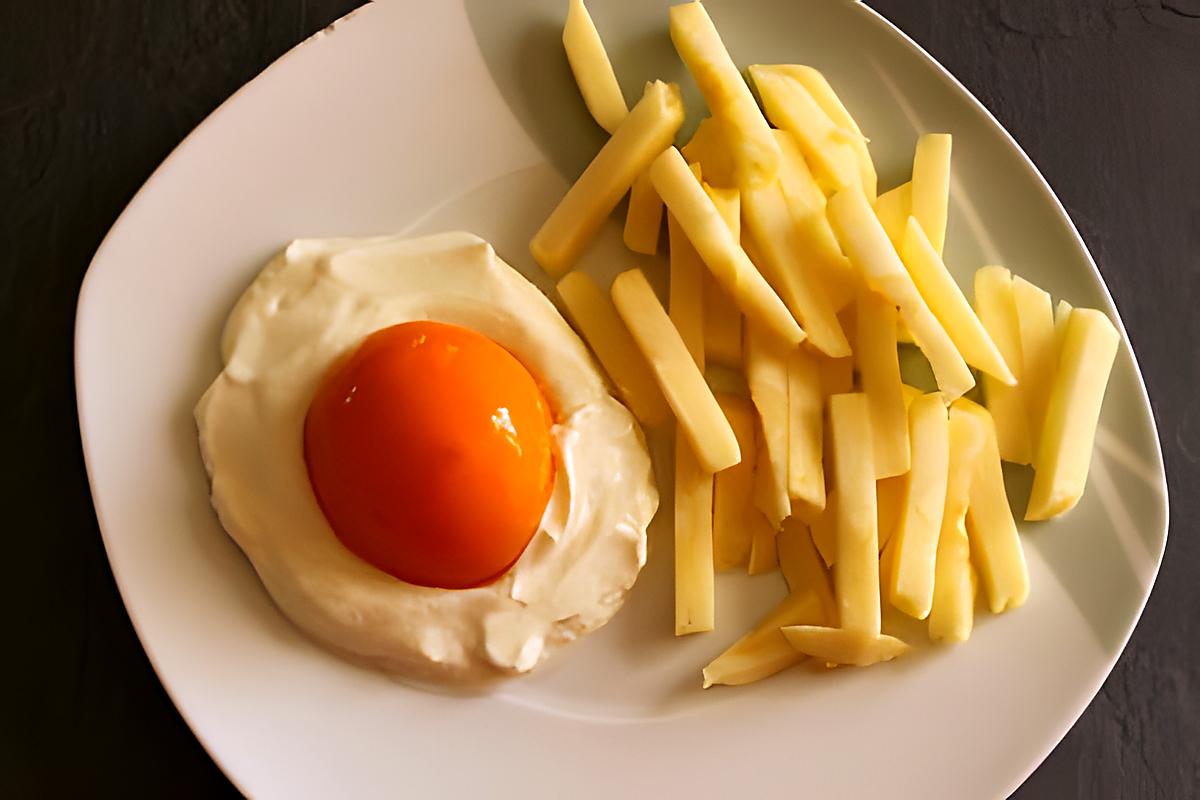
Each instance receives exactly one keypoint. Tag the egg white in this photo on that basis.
(313, 303)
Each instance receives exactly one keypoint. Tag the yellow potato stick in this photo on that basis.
(592, 69)
(842, 646)
(709, 148)
(869, 249)
(856, 570)
(763, 555)
(823, 529)
(893, 208)
(596, 318)
(733, 488)
(832, 105)
(755, 154)
(771, 225)
(643, 219)
(889, 502)
(790, 107)
(911, 393)
(802, 566)
(764, 651)
(996, 548)
(799, 186)
(948, 303)
(722, 325)
(685, 300)
(914, 542)
(1062, 312)
(729, 204)
(694, 597)
(806, 471)
(721, 252)
(1060, 469)
(680, 379)
(767, 376)
(879, 368)
(997, 310)
(952, 613)
(931, 186)
(646, 132)
(1039, 353)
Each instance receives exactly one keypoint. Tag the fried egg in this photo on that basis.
(421, 460)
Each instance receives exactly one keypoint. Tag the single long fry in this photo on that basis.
(995, 546)
(1060, 470)
(596, 318)
(879, 366)
(764, 651)
(733, 489)
(948, 303)
(997, 310)
(756, 157)
(931, 186)
(1039, 350)
(592, 69)
(842, 646)
(645, 133)
(893, 208)
(694, 596)
(643, 219)
(680, 379)
(914, 542)
(721, 252)
(856, 571)
(806, 471)
(767, 375)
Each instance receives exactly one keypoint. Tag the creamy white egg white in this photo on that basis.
(315, 302)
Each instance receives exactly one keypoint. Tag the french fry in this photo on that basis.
(643, 219)
(771, 224)
(685, 299)
(721, 252)
(1060, 470)
(694, 595)
(931, 186)
(947, 302)
(910, 580)
(681, 381)
(767, 375)
(823, 529)
(763, 554)
(722, 319)
(879, 367)
(1039, 353)
(889, 503)
(733, 488)
(893, 208)
(709, 147)
(802, 566)
(952, 613)
(596, 318)
(806, 472)
(869, 249)
(790, 107)
(796, 180)
(997, 310)
(755, 154)
(764, 651)
(645, 133)
(842, 646)
(856, 570)
(592, 69)
(1062, 313)
(996, 548)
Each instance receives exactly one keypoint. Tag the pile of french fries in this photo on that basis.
(788, 268)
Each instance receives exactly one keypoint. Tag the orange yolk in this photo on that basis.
(429, 451)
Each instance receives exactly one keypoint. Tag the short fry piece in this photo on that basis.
(767, 375)
(592, 69)
(721, 252)
(755, 155)
(948, 303)
(893, 208)
(843, 647)
(997, 309)
(764, 651)
(995, 546)
(931, 186)
(879, 366)
(1039, 351)
(680, 379)
(1060, 470)
(856, 571)
(806, 471)
(643, 219)
(869, 249)
(646, 132)
(914, 544)
(596, 318)
(733, 489)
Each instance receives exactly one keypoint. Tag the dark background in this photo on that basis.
(1104, 95)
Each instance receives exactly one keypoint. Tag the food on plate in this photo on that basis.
(879, 372)
(765, 651)
(387, 408)
(843, 646)
(856, 571)
(643, 218)
(806, 469)
(997, 310)
(649, 128)
(593, 71)
(931, 186)
(893, 208)
(733, 489)
(1039, 351)
(767, 376)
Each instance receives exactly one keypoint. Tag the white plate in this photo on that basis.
(404, 107)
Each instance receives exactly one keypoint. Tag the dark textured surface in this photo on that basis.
(1104, 95)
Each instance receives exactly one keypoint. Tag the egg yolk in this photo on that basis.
(429, 452)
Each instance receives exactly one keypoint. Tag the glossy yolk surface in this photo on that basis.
(429, 450)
